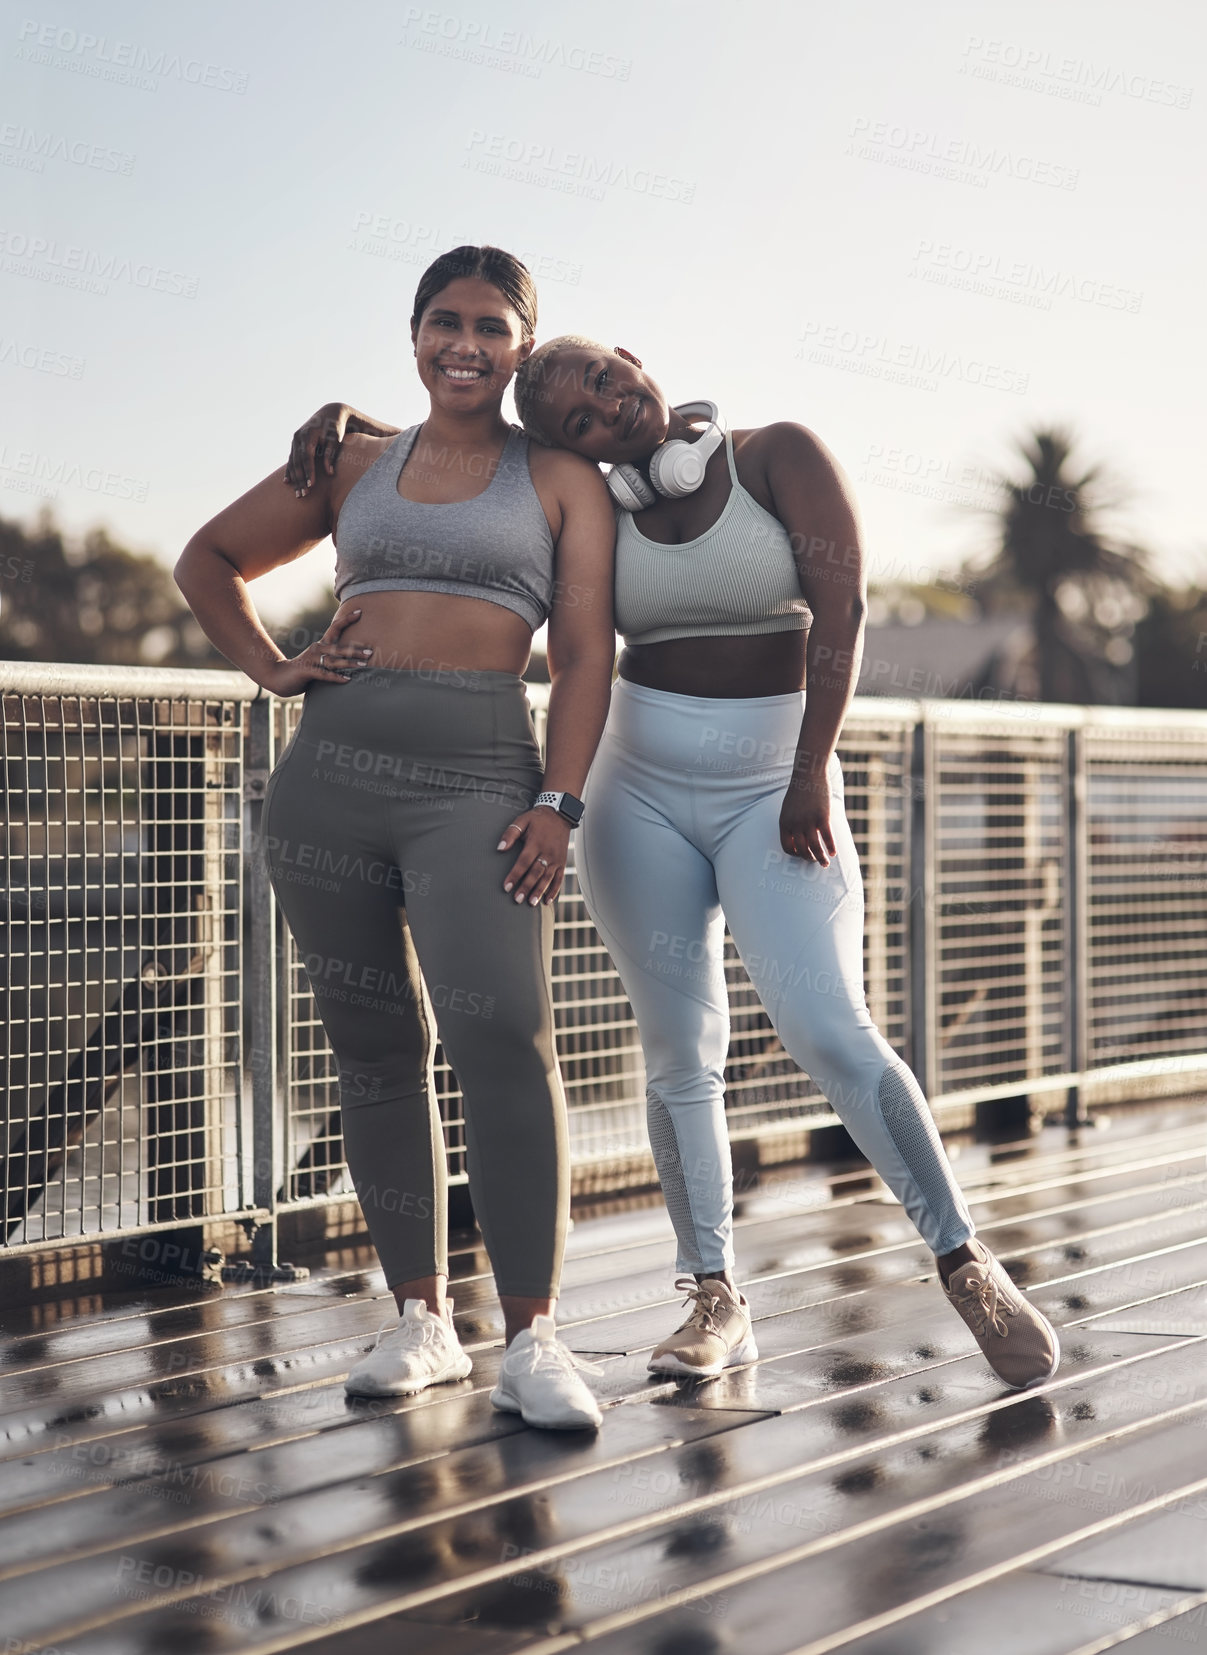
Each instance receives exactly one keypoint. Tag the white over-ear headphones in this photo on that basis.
(676, 467)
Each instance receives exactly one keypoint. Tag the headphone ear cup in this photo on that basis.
(676, 469)
(629, 488)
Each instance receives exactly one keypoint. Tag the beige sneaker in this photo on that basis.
(1019, 1344)
(716, 1335)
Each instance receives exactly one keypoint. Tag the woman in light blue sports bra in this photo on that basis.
(716, 796)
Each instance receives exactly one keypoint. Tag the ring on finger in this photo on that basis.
(543, 861)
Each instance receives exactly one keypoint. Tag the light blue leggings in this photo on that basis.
(680, 836)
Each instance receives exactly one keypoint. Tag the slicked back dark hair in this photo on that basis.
(491, 264)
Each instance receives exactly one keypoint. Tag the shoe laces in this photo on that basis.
(708, 1304)
(549, 1356)
(411, 1333)
(984, 1300)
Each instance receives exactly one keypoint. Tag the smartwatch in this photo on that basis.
(564, 803)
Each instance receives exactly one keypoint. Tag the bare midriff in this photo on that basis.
(727, 668)
(433, 631)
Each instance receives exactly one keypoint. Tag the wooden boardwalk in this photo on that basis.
(182, 1471)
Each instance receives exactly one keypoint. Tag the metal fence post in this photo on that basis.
(264, 968)
(1077, 969)
(921, 907)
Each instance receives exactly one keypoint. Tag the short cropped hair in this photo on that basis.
(532, 380)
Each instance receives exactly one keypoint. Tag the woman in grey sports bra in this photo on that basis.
(716, 796)
(407, 845)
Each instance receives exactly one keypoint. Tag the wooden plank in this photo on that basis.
(1167, 1550)
(373, 1494)
(938, 1332)
(1173, 1632)
(863, 1364)
(722, 1507)
(1183, 1313)
(1024, 1613)
(63, 1468)
(924, 1530)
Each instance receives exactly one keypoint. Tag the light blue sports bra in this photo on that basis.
(738, 577)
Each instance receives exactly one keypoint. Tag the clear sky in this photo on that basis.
(917, 229)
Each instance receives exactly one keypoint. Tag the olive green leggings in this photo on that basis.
(380, 826)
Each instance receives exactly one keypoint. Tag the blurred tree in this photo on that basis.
(92, 601)
(1171, 650)
(1084, 591)
(302, 628)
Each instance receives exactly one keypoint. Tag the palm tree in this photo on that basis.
(88, 599)
(1084, 591)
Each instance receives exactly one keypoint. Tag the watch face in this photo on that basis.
(571, 808)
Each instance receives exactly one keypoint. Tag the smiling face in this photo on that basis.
(468, 344)
(600, 405)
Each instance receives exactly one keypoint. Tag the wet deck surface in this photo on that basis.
(183, 1472)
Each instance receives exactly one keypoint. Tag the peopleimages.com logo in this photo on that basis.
(920, 367)
(469, 40)
(31, 148)
(126, 62)
(46, 471)
(1077, 79)
(1019, 281)
(529, 161)
(44, 359)
(67, 264)
(958, 160)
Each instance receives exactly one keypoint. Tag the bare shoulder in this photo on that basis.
(357, 453)
(559, 465)
(566, 476)
(786, 441)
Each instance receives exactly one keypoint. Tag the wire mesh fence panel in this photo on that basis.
(597, 1042)
(998, 820)
(121, 855)
(764, 1087)
(1147, 895)
(876, 758)
(1059, 917)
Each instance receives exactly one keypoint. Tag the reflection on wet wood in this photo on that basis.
(184, 1471)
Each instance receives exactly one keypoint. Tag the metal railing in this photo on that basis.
(1036, 882)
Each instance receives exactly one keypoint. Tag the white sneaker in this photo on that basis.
(419, 1350)
(539, 1381)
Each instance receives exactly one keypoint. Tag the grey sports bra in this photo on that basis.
(496, 546)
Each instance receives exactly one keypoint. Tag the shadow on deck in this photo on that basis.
(183, 1472)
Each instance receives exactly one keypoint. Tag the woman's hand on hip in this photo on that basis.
(326, 661)
(805, 829)
(544, 839)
